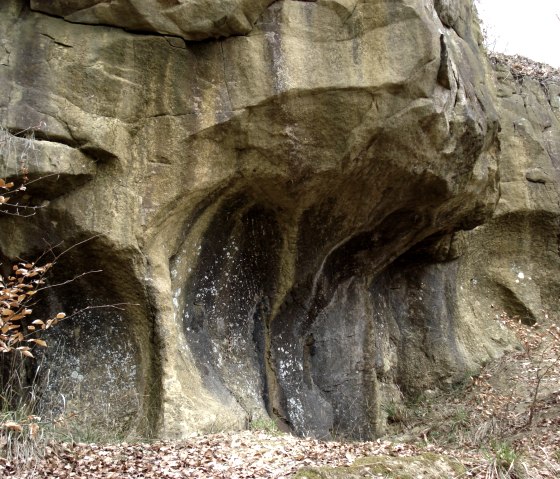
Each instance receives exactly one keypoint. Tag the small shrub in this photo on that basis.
(541, 346)
(22, 432)
(20, 429)
(504, 462)
(396, 413)
(264, 424)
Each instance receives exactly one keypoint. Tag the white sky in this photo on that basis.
(527, 27)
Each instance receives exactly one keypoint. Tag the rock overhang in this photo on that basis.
(259, 184)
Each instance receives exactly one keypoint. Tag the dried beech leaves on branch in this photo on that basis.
(9, 194)
(17, 291)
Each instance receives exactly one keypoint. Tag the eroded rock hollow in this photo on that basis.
(279, 191)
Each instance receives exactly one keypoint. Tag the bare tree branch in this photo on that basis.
(69, 280)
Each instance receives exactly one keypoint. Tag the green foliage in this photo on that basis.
(504, 462)
(264, 424)
(396, 412)
(460, 418)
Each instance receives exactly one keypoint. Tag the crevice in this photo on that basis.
(225, 75)
(65, 45)
(41, 136)
(97, 154)
(516, 307)
(169, 39)
(308, 353)
(443, 76)
(351, 14)
(7, 53)
(138, 32)
(152, 33)
(259, 335)
(171, 115)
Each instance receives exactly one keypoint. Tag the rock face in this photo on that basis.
(283, 210)
(517, 266)
(189, 19)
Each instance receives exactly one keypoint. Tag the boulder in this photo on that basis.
(280, 212)
(190, 19)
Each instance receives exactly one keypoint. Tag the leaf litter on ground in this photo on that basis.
(239, 455)
(469, 424)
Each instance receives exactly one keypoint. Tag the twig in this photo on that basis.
(541, 373)
(41, 178)
(21, 215)
(75, 245)
(119, 306)
(69, 280)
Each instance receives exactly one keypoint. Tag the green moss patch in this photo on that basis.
(423, 466)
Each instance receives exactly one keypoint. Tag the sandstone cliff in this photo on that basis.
(285, 193)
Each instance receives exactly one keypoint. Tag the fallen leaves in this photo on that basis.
(241, 455)
(513, 402)
(521, 67)
(12, 426)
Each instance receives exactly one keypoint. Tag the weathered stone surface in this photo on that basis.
(190, 19)
(459, 16)
(283, 210)
(513, 260)
(52, 171)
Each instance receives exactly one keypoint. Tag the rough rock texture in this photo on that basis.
(189, 19)
(517, 267)
(283, 209)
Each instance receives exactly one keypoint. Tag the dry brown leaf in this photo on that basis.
(12, 426)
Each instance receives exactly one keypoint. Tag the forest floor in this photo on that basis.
(502, 423)
(505, 421)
